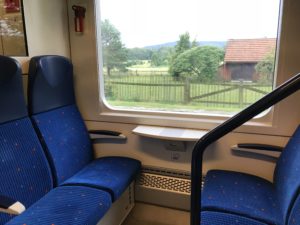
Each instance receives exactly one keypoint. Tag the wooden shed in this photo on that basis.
(242, 55)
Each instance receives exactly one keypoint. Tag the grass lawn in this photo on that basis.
(146, 66)
(190, 108)
(150, 69)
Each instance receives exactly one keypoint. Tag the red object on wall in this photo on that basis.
(79, 18)
(12, 6)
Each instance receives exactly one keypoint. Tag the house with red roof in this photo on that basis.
(242, 55)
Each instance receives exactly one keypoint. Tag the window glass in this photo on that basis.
(12, 34)
(195, 56)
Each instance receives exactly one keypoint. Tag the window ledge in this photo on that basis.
(166, 133)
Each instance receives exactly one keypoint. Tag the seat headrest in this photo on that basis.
(50, 83)
(12, 101)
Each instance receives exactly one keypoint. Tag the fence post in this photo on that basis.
(241, 93)
(187, 91)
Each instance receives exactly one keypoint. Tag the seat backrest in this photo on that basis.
(294, 218)
(25, 174)
(56, 117)
(287, 175)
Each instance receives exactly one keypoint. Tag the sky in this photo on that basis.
(150, 22)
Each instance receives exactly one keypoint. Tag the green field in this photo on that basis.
(146, 66)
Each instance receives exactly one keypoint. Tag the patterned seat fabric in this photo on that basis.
(106, 173)
(25, 174)
(242, 194)
(218, 218)
(63, 133)
(66, 141)
(67, 206)
(287, 175)
(253, 197)
(294, 218)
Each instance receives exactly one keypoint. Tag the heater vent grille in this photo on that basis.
(167, 172)
(166, 180)
(165, 183)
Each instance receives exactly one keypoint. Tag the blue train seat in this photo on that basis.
(25, 172)
(64, 135)
(252, 197)
(219, 218)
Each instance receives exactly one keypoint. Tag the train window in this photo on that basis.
(12, 32)
(193, 56)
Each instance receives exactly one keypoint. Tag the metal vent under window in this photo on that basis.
(165, 187)
(165, 183)
(166, 172)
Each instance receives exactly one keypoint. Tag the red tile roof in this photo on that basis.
(248, 50)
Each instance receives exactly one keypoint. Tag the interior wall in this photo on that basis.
(84, 58)
(47, 29)
(153, 152)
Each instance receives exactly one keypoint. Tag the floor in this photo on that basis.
(145, 214)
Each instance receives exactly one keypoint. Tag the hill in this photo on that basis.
(220, 44)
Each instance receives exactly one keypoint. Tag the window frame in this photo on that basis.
(176, 119)
(22, 12)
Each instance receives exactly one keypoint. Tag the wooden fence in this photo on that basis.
(169, 90)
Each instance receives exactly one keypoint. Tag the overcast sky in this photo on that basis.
(150, 22)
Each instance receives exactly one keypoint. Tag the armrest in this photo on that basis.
(106, 134)
(267, 152)
(11, 206)
(263, 147)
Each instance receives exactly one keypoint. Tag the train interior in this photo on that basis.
(97, 162)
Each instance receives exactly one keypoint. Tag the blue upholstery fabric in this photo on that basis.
(112, 174)
(217, 218)
(294, 218)
(12, 101)
(241, 194)
(287, 174)
(67, 206)
(66, 140)
(50, 83)
(25, 174)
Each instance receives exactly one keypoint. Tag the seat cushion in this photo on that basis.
(241, 194)
(218, 218)
(112, 174)
(67, 206)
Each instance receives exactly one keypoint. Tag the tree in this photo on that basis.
(114, 52)
(265, 68)
(201, 62)
(157, 59)
(194, 43)
(162, 56)
(139, 54)
(182, 45)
